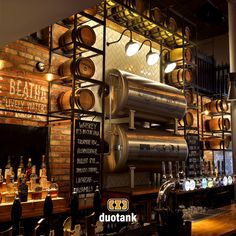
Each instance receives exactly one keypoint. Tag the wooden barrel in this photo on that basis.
(84, 99)
(216, 124)
(122, 14)
(81, 19)
(157, 16)
(84, 34)
(83, 67)
(171, 27)
(217, 143)
(177, 41)
(177, 54)
(189, 97)
(187, 120)
(179, 76)
(139, 5)
(217, 106)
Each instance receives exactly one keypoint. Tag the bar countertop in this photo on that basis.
(222, 224)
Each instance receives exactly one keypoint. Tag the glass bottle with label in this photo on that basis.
(21, 167)
(1, 182)
(10, 181)
(28, 170)
(7, 167)
(23, 189)
(33, 178)
(43, 169)
(1, 178)
(53, 188)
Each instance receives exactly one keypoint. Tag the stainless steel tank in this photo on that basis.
(151, 100)
(143, 148)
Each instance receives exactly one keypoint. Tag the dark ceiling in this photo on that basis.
(209, 16)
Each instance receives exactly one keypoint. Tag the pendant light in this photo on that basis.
(131, 48)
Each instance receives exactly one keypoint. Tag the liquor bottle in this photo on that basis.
(28, 170)
(192, 183)
(33, 178)
(43, 169)
(16, 213)
(7, 167)
(53, 188)
(43, 182)
(1, 178)
(74, 206)
(163, 167)
(1, 185)
(21, 168)
(10, 181)
(209, 178)
(23, 189)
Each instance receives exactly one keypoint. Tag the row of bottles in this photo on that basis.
(210, 176)
(26, 182)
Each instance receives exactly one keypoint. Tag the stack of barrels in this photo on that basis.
(159, 27)
(217, 123)
(82, 67)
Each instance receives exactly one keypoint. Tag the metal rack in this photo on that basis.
(142, 22)
(78, 81)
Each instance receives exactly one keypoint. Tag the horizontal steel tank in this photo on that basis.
(151, 100)
(142, 148)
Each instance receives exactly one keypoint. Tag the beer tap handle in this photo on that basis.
(177, 169)
(170, 169)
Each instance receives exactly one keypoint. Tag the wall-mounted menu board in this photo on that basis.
(194, 154)
(86, 157)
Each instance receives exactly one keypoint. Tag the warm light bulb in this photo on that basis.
(49, 77)
(170, 67)
(206, 112)
(152, 58)
(131, 48)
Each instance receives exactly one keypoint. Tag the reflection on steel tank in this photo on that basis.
(142, 148)
(152, 101)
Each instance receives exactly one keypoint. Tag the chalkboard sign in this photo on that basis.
(194, 154)
(87, 157)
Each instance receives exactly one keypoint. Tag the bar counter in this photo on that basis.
(223, 224)
(33, 208)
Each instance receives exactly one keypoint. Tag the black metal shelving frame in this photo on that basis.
(78, 81)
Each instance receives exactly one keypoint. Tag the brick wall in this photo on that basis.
(22, 57)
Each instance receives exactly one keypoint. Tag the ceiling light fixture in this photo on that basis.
(131, 48)
(49, 75)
